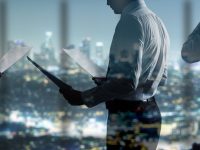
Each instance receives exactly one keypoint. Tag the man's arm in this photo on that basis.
(191, 48)
(124, 73)
(72, 96)
(99, 80)
(109, 90)
(126, 64)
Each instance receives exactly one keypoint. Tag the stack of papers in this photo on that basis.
(80, 59)
(86, 63)
(12, 56)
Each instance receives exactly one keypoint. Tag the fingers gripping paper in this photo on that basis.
(12, 56)
(86, 63)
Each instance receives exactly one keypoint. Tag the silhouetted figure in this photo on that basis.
(137, 66)
(191, 48)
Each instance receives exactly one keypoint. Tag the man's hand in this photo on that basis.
(72, 96)
(99, 80)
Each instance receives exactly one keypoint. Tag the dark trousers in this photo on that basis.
(133, 125)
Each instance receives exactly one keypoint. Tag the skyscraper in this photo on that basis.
(100, 59)
(86, 46)
(47, 54)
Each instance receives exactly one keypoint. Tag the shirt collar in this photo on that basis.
(133, 6)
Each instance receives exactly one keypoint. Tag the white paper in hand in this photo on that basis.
(86, 63)
(12, 56)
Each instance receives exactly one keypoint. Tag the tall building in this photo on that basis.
(99, 52)
(46, 56)
(3, 24)
(86, 46)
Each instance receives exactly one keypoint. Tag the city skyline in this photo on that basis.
(32, 109)
(85, 19)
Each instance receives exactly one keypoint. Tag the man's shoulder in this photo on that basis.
(135, 17)
(128, 21)
(140, 12)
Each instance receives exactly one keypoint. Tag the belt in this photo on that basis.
(124, 105)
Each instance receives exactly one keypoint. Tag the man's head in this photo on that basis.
(118, 5)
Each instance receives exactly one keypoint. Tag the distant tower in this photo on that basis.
(64, 59)
(86, 46)
(47, 48)
(46, 56)
(99, 54)
(3, 23)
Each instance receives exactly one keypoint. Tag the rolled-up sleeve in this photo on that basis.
(125, 64)
(191, 48)
(127, 50)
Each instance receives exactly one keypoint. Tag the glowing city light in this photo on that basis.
(49, 34)
(99, 44)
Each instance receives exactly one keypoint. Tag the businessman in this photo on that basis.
(137, 66)
(191, 48)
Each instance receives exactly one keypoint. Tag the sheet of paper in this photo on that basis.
(50, 76)
(12, 56)
(86, 63)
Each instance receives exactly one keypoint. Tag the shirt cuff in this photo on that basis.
(87, 98)
(94, 96)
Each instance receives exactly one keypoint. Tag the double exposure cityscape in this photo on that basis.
(34, 116)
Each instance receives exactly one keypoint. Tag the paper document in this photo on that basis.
(86, 63)
(12, 56)
(53, 78)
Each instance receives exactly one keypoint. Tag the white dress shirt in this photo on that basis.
(137, 63)
(191, 48)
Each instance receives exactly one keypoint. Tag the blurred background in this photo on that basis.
(34, 116)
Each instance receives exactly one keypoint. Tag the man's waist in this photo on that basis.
(125, 105)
